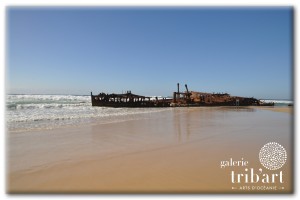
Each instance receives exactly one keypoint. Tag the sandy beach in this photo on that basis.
(174, 151)
(285, 109)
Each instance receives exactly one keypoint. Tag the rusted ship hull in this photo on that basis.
(127, 100)
(180, 99)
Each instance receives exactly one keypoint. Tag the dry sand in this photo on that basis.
(175, 151)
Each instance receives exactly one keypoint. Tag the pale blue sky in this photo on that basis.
(242, 51)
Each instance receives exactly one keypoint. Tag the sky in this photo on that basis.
(148, 50)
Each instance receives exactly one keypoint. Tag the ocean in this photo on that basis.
(34, 112)
(278, 102)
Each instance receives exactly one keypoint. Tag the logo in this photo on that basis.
(244, 176)
(272, 156)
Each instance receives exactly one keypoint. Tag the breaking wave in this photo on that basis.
(278, 102)
(25, 112)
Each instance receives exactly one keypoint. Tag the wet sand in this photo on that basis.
(286, 109)
(174, 151)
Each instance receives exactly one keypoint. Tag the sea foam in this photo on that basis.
(26, 112)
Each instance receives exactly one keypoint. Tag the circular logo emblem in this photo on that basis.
(272, 156)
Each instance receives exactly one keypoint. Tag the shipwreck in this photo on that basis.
(180, 99)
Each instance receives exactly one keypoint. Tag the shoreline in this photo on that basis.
(95, 121)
